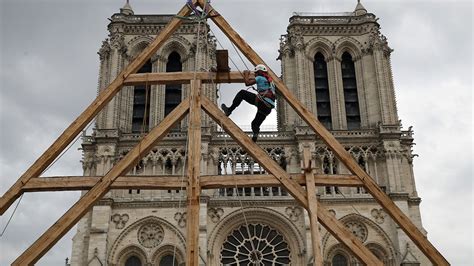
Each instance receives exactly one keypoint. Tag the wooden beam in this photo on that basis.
(332, 224)
(89, 113)
(313, 208)
(193, 190)
(400, 218)
(72, 216)
(182, 78)
(69, 183)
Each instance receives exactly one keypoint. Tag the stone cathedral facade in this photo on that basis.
(338, 65)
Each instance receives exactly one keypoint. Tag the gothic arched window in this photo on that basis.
(168, 260)
(339, 260)
(362, 163)
(351, 98)
(133, 261)
(323, 103)
(173, 91)
(328, 170)
(141, 103)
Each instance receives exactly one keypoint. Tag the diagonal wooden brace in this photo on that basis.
(327, 220)
(89, 113)
(397, 215)
(72, 216)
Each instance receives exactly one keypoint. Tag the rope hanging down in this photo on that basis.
(47, 168)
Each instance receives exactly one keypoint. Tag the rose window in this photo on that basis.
(254, 246)
(150, 235)
(359, 230)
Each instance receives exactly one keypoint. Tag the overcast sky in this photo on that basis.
(49, 68)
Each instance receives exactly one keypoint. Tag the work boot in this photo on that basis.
(225, 109)
(254, 137)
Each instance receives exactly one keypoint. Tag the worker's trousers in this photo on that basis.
(262, 110)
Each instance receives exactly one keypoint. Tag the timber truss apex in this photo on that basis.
(306, 197)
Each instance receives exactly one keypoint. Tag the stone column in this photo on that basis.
(203, 231)
(116, 64)
(80, 241)
(300, 78)
(104, 79)
(336, 94)
(361, 92)
(158, 94)
(385, 87)
(393, 166)
(98, 233)
(371, 90)
(285, 112)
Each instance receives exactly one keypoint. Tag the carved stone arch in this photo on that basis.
(168, 250)
(318, 44)
(178, 237)
(177, 44)
(371, 226)
(127, 252)
(263, 216)
(335, 250)
(356, 151)
(379, 251)
(138, 44)
(350, 45)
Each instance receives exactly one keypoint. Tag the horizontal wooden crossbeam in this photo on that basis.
(183, 78)
(70, 183)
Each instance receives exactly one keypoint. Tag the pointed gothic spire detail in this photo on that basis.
(360, 9)
(127, 9)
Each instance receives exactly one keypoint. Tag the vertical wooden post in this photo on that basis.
(193, 190)
(313, 207)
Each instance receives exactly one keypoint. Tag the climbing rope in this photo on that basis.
(11, 216)
(47, 168)
(231, 60)
(242, 210)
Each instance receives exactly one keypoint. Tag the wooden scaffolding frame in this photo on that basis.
(294, 183)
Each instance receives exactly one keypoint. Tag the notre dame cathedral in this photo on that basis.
(337, 65)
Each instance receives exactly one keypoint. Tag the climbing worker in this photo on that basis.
(264, 100)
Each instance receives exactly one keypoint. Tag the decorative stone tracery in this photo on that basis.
(150, 235)
(293, 213)
(370, 233)
(358, 229)
(215, 214)
(264, 217)
(255, 243)
(130, 234)
(120, 220)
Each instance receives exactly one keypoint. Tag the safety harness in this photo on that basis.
(267, 95)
